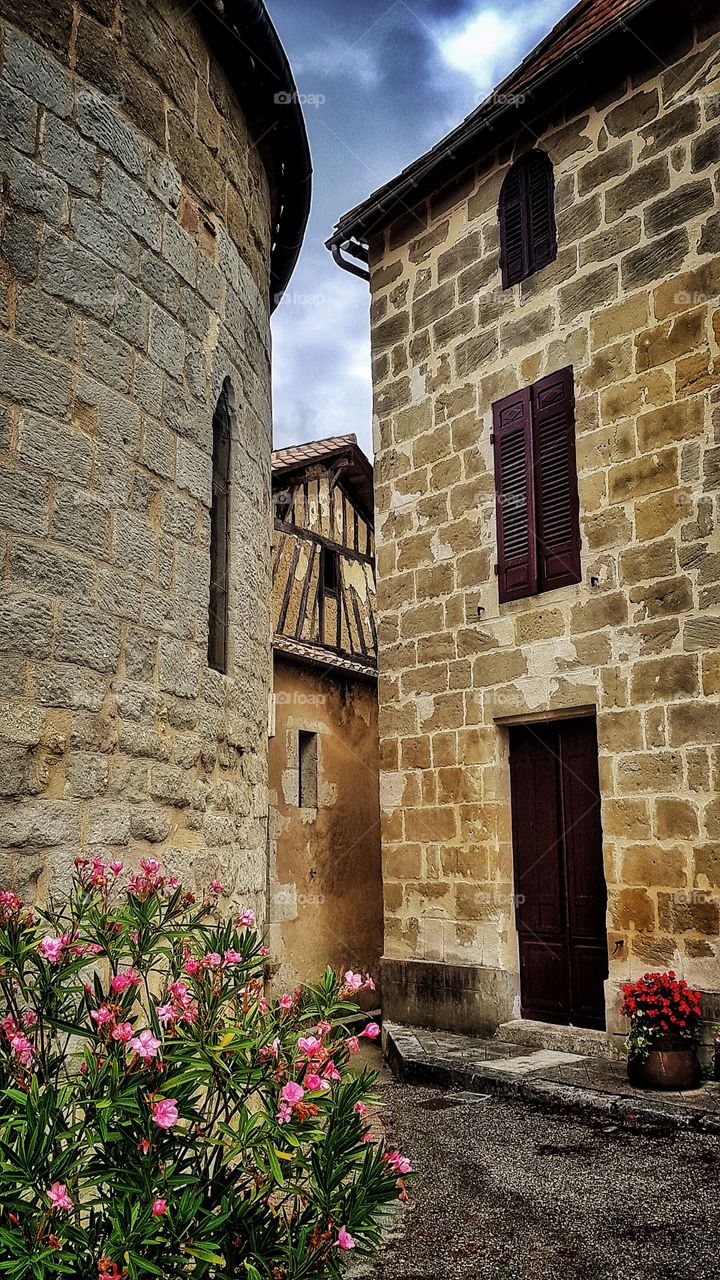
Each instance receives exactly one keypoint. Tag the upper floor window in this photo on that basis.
(527, 218)
(536, 492)
(219, 530)
(329, 570)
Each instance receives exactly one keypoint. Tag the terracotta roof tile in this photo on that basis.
(310, 451)
(585, 20)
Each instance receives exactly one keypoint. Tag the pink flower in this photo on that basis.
(93, 948)
(399, 1164)
(263, 1005)
(144, 1145)
(216, 887)
(315, 1082)
(181, 993)
(123, 1032)
(353, 1045)
(372, 1031)
(58, 1196)
(285, 1001)
(9, 1025)
(165, 1113)
(361, 1108)
(122, 981)
(144, 1045)
(367, 1136)
(211, 961)
(292, 1093)
(116, 867)
(330, 1071)
(246, 917)
(284, 1114)
(51, 948)
(344, 1240)
(264, 951)
(166, 1013)
(309, 1045)
(232, 957)
(101, 1015)
(29, 1018)
(23, 1050)
(353, 980)
(150, 866)
(191, 966)
(159, 1207)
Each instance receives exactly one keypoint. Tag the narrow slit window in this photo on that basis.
(329, 571)
(307, 770)
(219, 532)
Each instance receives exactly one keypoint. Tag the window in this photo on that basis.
(219, 528)
(307, 770)
(527, 218)
(538, 523)
(329, 570)
(283, 504)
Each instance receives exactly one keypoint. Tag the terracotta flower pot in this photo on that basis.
(666, 1068)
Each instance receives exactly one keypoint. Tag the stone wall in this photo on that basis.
(134, 269)
(325, 893)
(631, 302)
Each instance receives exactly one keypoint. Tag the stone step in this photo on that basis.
(548, 1035)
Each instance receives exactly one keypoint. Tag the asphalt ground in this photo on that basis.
(503, 1191)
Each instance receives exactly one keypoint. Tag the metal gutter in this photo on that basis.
(423, 175)
(260, 73)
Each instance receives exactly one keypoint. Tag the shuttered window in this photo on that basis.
(538, 519)
(526, 212)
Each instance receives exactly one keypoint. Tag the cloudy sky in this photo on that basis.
(383, 80)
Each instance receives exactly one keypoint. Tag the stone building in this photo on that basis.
(545, 339)
(155, 176)
(325, 875)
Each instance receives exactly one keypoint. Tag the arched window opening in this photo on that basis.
(526, 212)
(219, 530)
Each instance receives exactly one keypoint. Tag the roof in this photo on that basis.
(247, 46)
(311, 451)
(571, 42)
(357, 475)
(304, 652)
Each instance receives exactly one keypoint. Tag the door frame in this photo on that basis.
(528, 718)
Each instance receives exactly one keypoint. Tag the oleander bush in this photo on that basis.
(159, 1116)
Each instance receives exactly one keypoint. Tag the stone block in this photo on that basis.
(705, 149)
(194, 472)
(34, 380)
(86, 775)
(678, 207)
(618, 321)
(633, 113)
(129, 201)
(604, 167)
(51, 572)
(100, 232)
(693, 722)
(166, 345)
(641, 184)
(588, 292)
(23, 502)
(69, 156)
(45, 323)
(20, 245)
(27, 66)
(97, 120)
(107, 357)
(70, 272)
(658, 680)
(18, 119)
(648, 264)
(669, 129)
(26, 624)
(640, 476)
(669, 596)
(81, 521)
(34, 188)
(87, 638)
(39, 823)
(179, 249)
(680, 421)
(109, 824)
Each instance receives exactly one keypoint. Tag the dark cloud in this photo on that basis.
(381, 87)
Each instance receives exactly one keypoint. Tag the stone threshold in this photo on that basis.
(552, 1079)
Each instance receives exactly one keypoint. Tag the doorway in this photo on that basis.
(561, 896)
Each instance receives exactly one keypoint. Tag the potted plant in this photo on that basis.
(664, 1014)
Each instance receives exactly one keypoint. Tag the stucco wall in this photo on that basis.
(631, 302)
(135, 247)
(326, 893)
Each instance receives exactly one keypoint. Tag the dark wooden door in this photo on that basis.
(559, 882)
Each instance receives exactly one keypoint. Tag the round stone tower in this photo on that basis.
(155, 191)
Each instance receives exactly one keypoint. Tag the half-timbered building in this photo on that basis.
(326, 896)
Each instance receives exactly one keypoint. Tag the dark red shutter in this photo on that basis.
(542, 240)
(513, 227)
(517, 561)
(556, 489)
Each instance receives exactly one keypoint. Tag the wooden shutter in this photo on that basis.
(540, 194)
(517, 560)
(555, 474)
(513, 227)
